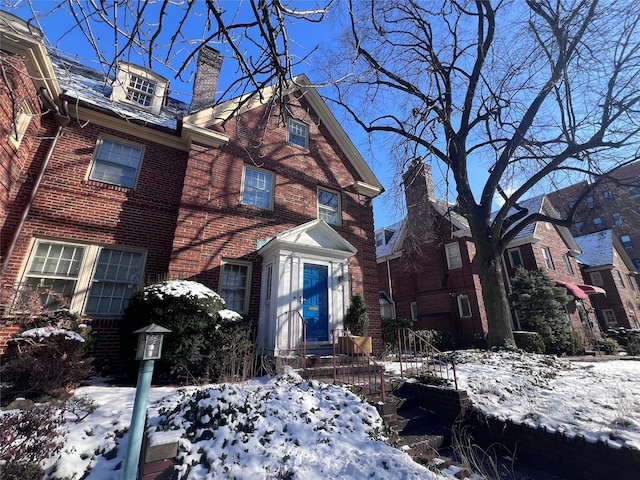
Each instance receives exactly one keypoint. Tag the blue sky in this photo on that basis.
(388, 208)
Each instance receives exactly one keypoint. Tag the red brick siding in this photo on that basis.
(213, 225)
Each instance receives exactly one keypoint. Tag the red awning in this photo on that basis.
(574, 290)
(592, 289)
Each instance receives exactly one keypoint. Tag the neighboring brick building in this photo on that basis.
(607, 266)
(426, 268)
(126, 184)
(612, 206)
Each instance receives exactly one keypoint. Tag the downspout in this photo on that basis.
(62, 120)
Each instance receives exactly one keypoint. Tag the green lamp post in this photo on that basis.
(149, 350)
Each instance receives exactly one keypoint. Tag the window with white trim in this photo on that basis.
(464, 306)
(617, 218)
(567, 263)
(620, 279)
(597, 222)
(631, 281)
(596, 279)
(515, 258)
(414, 311)
(116, 162)
(589, 201)
(329, 206)
(454, 257)
(546, 254)
(91, 279)
(139, 87)
(626, 242)
(298, 133)
(257, 188)
(609, 317)
(234, 285)
(20, 124)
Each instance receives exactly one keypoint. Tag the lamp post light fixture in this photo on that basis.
(149, 350)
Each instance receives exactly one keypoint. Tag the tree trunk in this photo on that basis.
(494, 295)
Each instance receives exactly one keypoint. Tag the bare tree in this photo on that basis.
(169, 33)
(534, 92)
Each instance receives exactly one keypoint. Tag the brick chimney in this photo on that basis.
(418, 187)
(206, 82)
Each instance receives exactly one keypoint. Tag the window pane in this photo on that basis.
(454, 259)
(234, 286)
(328, 207)
(116, 275)
(257, 188)
(297, 133)
(116, 163)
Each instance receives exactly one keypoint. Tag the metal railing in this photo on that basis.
(353, 366)
(417, 356)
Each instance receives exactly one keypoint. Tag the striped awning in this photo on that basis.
(574, 290)
(592, 289)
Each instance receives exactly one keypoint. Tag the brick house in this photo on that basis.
(606, 265)
(111, 183)
(426, 268)
(613, 205)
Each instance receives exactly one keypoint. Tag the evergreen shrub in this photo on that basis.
(356, 320)
(390, 326)
(207, 342)
(529, 341)
(608, 346)
(442, 340)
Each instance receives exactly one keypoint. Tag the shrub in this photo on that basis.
(439, 339)
(529, 341)
(29, 437)
(629, 339)
(540, 305)
(206, 341)
(390, 326)
(607, 345)
(576, 346)
(356, 320)
(47, 361)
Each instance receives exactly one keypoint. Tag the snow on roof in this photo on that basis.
(534, 205)
(597, 248)
(93, 87)
(387, 246)
(178, 288)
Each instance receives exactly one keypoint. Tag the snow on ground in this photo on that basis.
(283, 427)
(302, 429)
(599, 400)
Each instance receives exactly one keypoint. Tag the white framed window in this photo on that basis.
(567, 263)
(609, 317)
(116, 162)
(546, 254)
(139, 87)
(92, 279)
(20, 124)
(596, 279)
(626, 242)
(414, 311)
(234, 285)
(329, 206)
(631, 281)
(298, 133)
(257, 188)
(597, 222)
(140, 90)
(617, 218)
(464, 306)
(515, 258)
(589, 200)
(620, 279)
(454, 258)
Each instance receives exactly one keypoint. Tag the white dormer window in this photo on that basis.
(140, 90)
(138, 86)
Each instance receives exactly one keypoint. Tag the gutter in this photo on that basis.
(62, 120)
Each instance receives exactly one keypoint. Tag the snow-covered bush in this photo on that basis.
(530, 342)
(207, 342)
(47, 360)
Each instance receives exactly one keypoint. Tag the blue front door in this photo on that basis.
(315, 308)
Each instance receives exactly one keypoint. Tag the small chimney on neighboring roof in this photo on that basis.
(206, 82)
